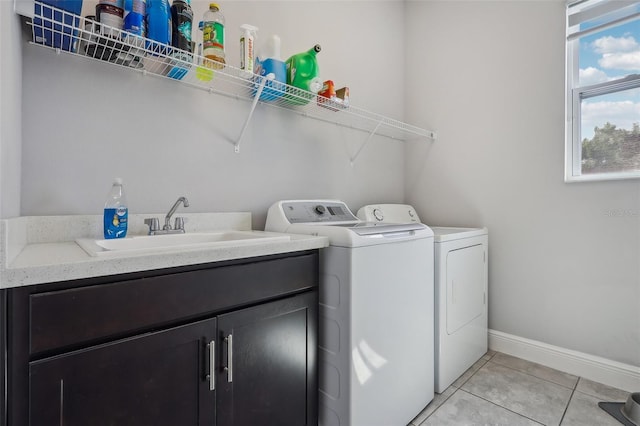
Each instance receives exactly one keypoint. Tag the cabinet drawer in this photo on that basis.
(97, 313)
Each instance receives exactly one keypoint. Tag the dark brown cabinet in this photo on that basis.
(231, 343)
(154, 379)
(3, 360)
(266, 354)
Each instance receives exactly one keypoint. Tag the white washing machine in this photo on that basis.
(461, 291)
(376, 313)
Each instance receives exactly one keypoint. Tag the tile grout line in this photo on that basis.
(564, 413)
(573, 391)
(523, 372)
(504, 408)
(540, 378)
(457, 388)
(572, 388)
(597, 395)
(439, 406)
(474, 373)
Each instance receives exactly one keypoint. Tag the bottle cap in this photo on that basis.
(117, 181)
(214, 6)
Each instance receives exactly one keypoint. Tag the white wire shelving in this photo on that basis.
(71, 34)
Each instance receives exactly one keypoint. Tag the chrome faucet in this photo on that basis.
(167, 218)
(154, 225)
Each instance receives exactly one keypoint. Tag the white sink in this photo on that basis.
(195, 240)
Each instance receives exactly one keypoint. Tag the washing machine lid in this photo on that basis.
(405, 213)
(333, 219)
(446, 233)
(374, 228)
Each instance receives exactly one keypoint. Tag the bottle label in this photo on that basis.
(213, 35)
(158, 24)
(181, 18)
(115, 222)
(246, 54)
(184, 29)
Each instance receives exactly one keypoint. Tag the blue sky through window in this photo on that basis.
(607, 55)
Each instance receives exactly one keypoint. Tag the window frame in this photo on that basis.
(574, 96)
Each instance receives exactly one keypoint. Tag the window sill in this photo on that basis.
(598, 177)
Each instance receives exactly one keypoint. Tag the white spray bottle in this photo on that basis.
(247, 52)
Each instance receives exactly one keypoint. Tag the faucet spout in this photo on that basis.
(167, 219)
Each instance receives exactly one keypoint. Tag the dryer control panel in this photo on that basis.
(394, 213)
(317, 211)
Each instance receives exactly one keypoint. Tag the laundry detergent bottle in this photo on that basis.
(268, 61)
(302, 73)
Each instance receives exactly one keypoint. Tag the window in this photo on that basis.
(603, 90)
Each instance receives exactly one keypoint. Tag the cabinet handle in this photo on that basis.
(229, 367)
(212, 365)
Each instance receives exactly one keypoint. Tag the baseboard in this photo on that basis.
(602, 370)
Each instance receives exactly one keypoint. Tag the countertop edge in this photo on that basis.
(95, 267)
(42, 249)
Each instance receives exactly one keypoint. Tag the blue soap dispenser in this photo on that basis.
(116, 213)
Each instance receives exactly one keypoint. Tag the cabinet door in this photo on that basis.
(269, 364)
(155, 379)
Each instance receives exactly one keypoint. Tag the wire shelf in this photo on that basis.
(66, 32)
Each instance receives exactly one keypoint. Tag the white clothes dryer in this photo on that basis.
(461, 291)
(376, 313)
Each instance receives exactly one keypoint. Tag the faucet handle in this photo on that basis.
(179, 224)
(153, 223)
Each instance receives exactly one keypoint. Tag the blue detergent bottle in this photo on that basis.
(158, 20)
(116, 213)
(268, 62)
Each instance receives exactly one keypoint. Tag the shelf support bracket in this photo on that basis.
(365, 143)
(256, 98)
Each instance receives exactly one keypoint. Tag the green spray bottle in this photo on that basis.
(302, 72)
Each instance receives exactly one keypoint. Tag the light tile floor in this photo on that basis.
(504, 390)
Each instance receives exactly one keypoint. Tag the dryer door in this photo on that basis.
(465, 286)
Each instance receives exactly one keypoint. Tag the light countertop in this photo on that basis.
(42, 249)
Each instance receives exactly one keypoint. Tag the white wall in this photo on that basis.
(489, 77)
(86, 122)
(10, 111)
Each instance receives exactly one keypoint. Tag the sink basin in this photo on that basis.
(197, 240)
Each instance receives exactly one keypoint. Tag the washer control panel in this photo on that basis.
(317, 211)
